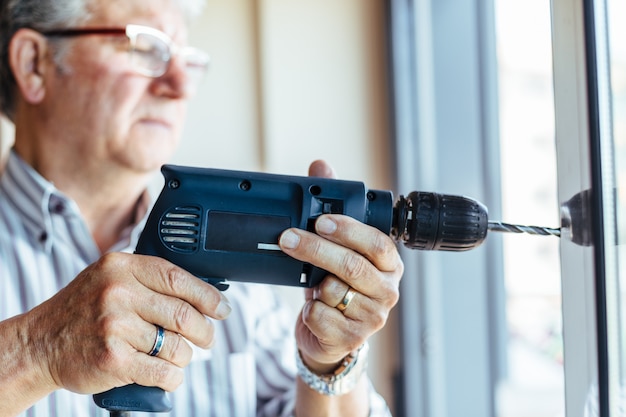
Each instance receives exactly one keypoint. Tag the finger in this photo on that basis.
(330, 290)
(177, 316)
(336, 294)
(377, 247)
(351, 267)
(331, 329)
(322, 354)
(321, 169)
(154, 372)
(167, 278)
(174, 348)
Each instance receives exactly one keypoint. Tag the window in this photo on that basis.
(533, 384)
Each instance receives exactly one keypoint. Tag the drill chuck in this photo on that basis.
(431, 221)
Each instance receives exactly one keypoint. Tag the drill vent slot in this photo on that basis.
(180, 229)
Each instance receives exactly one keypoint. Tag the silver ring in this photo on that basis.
(158, 342)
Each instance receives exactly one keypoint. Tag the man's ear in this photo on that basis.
(27, 59)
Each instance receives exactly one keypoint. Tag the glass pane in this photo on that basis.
(612, 116)
(617, 34)
(533, 384)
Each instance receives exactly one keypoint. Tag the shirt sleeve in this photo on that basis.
(378, 406)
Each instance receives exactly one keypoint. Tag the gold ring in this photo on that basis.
(345, 301)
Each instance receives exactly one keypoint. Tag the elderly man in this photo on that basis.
(97, 91)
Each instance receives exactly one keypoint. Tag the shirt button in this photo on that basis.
(58, 207)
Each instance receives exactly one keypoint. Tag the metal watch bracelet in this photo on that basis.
(342, 380)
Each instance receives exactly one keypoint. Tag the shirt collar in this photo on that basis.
(130, 235)
(33, 196)
(37, 200)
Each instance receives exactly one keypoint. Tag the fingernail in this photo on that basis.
(289, 240)
(326, 226)
(223, 308)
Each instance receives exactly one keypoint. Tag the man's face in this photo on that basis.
(108, 114)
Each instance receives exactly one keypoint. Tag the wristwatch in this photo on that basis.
(342, 380)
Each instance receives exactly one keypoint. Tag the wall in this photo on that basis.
(292, 81)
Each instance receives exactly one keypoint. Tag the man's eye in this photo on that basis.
(146, 44)
(146, 52)
(143, 48)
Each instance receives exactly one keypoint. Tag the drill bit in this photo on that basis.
(497, 226)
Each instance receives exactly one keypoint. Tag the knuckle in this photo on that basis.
(160, 374)
(316, 248)
(380, 245)
(392, 296)
(395, 296)
(176, 344)
(176, 279)
(384, 249)
(182, 316)
(108, 349)
(107, 260)
(106, 326)
(181, 352)
(109, 263)
(399, 267)
(330, 286)
(175, 380)
(106, 362)
(354, 266)
(318, 316)
(378, 320)
(107, 358)
(389, 295)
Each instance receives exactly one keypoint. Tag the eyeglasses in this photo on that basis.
(151, 50)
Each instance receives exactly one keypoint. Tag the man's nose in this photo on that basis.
(175, 82)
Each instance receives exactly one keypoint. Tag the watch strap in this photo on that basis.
(342, 380)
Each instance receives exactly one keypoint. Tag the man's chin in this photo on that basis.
(151, 152)
(146, 162)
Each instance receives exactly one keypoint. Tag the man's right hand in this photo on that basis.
(96, 333)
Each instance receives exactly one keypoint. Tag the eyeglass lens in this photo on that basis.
(152, 56)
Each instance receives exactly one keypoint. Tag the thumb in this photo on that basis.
(321, 168)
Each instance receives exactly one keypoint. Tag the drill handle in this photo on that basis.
(134, 398)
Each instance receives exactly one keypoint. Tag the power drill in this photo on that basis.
(224, 226)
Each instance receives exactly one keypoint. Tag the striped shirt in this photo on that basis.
(250, 370)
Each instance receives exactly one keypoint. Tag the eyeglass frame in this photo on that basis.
(132, 31)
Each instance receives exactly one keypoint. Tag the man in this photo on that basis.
(97, 92)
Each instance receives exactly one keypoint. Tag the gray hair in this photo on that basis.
(43, 15)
